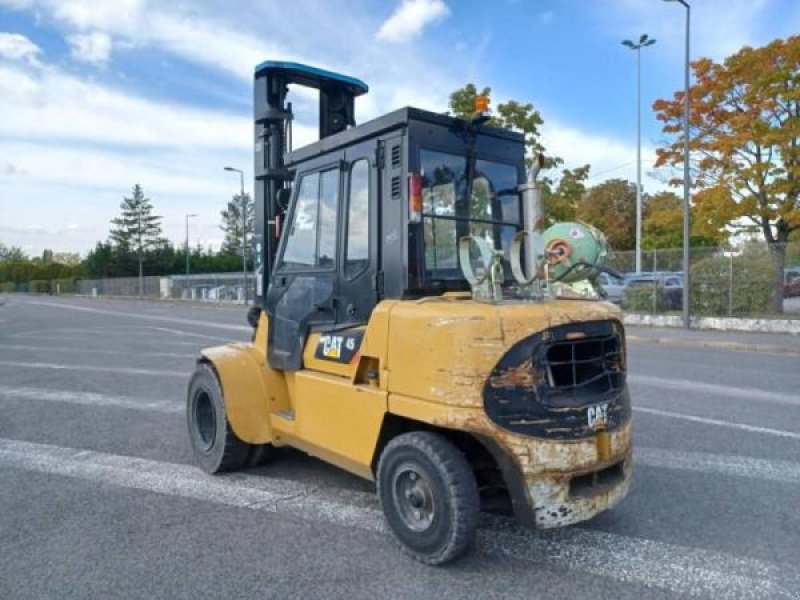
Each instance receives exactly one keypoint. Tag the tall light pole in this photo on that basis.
(244, 228)
(187, 242)
(644, 41)
(686, 176)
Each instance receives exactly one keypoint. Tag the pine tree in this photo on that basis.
(232, 223)
(137, 230)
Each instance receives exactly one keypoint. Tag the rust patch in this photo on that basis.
(522, 376)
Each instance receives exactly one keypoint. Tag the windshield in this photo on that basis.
(492, 212)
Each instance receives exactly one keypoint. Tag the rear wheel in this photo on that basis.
(215, 445)
(429, 496)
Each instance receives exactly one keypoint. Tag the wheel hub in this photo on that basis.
(413, 498)
(205, 419)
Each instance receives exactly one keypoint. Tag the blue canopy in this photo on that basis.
(311, 76)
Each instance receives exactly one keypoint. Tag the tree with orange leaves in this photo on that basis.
(744, 143)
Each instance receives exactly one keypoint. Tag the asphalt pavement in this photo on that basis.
(99, 497)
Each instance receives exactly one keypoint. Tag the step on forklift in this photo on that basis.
(414, 324)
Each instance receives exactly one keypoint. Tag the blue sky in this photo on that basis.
(96, 96)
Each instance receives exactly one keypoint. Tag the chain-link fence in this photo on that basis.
(754, 280)
(120, 286)
(212, 287)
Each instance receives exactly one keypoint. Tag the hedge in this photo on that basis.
(639, 299)
(715, 293)
(39, 286)
(67, 285)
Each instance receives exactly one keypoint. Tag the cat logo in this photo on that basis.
(332, 346)
(338, 348)
(597, 417)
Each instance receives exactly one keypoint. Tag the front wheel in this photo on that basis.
(216, 447)
(429, 496)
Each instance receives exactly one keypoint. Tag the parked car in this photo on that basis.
(669, 285)
(791, 282)
(791, 287)
(613, 286)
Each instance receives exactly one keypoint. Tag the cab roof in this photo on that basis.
(394, 120)
(313, 77)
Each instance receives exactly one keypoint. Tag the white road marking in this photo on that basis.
(190, 334)
(188, 482)
(129, 353)
(708, 421)
(90, 399)
(741, 466)
(94, 368)
(681, 569)
(95, 336)
(783, 471)
(129, 315)
(685, 385)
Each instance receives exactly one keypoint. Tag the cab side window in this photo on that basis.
(311, 242)
(357, 253)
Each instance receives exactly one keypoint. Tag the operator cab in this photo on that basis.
(408, 205)
(375, 211)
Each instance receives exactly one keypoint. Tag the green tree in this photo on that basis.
(662, 225)
(12, 253)
(232, 223)
(562, 199)
(509, 115)
(745, 143)
(611, 207)
(67, 258)
(137, 229)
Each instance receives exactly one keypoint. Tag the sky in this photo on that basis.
(98, 96)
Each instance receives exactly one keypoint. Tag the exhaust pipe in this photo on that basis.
(533, 218)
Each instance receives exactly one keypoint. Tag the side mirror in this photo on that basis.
(284, 195)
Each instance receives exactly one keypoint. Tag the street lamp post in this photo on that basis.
(244, 228)
(644, 41)
(686, 176)
(187, 243)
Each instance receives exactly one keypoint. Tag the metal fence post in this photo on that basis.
(655, 281)
(730, 284)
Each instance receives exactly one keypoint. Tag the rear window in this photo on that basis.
(492, 212)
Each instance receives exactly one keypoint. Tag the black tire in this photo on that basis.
(260, 454)
(429, 496)
(216, 448)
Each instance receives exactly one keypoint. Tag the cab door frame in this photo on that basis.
(358, 293)
(299, 298)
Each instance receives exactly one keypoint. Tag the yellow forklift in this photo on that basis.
(414, 325)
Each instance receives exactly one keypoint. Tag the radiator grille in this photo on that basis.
(581, 369)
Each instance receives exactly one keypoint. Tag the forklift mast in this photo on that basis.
(273, 131)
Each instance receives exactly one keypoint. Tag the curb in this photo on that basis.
(790, 326)
(716, 345)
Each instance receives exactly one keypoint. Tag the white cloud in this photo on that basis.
(410, 18)
(93, 48)
(70, 149)
(181, 29)
(609, 157)
(76, 145)
(49, 105)
(15, 46)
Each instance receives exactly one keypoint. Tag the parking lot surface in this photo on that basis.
(99, 497)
